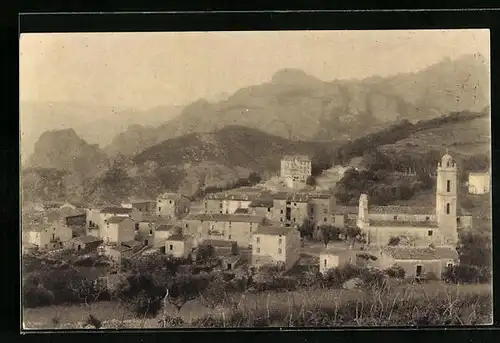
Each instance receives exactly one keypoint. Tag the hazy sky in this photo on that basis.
(144, 70)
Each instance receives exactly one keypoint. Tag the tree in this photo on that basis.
(329, 233)
(393, 241)
(311, 181)
(205, 253)
(307, 228)
(254, 178)
(396, 271)
(353, 234)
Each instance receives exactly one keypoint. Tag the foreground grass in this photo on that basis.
(404, 305)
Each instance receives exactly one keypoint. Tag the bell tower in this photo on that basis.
(446, 199)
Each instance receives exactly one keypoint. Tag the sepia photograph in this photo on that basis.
(252, 179)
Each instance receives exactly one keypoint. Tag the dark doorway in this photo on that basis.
(419, 271)
(229, 266)
(145, 242)
(79, 247)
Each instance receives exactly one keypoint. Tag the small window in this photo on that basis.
(281, 219)
(281, 212)
(186, 225)
(458, 220)
(258, 240)
(325, 211)
(294, 204)
(159, 209)
(229, 223)
(312, 210)
(280, 241)
(429, 233)
(294, 220)
(250, 229)
(269, 209)
(448, 186)
(395, 217)
(229, 237)
(333, 219)
(258, 250)
(170, 202)
(206, 205)
(220, 211)
(325, 263)
(220, 205)
(159, 200)
(448, 208)
(325, 219)
(449, 264)
(279, 251)
(150, 232)
(171, 247)
(427, 218)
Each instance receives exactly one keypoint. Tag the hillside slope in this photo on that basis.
(294, 105)
(234, 146)
(95, 124)
(65, 150)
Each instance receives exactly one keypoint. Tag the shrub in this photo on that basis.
(393, 241)
(463, 273)
(37, 295)
(396, 272)
(146, 304)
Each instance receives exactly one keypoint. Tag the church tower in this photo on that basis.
(446, 199)
(362, 221)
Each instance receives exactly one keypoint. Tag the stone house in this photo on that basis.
(295, 170)
(84, 243)
(333, 258)
(290, 209)
(229, 227)
(262, 207)
(46, 236)
(276, 245)
(419, 262)
(221, 247)
(479, 183)
(118, 229)
(163, 231)
(172, 205)
(179, 245)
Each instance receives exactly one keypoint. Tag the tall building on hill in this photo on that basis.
(418, 226)
(295, 170)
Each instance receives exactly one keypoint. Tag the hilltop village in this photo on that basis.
(254, 226)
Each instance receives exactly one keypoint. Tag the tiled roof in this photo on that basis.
(303, 158)
(238, 218)
(402, 210)
(116, 219)
(241, 211)
(346, 209)
(132, 244)
(116, 210)
(177, 237)
(170, 196)
(274, 230)
(262, 202)
(39, 227)
(165, 227)
(218, 243)
(292, 196)
(437, 253)
(401, 223)
(88, 239)
(121, 248)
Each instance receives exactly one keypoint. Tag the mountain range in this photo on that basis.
(100, 127)
(215, 143)
(298, 106)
